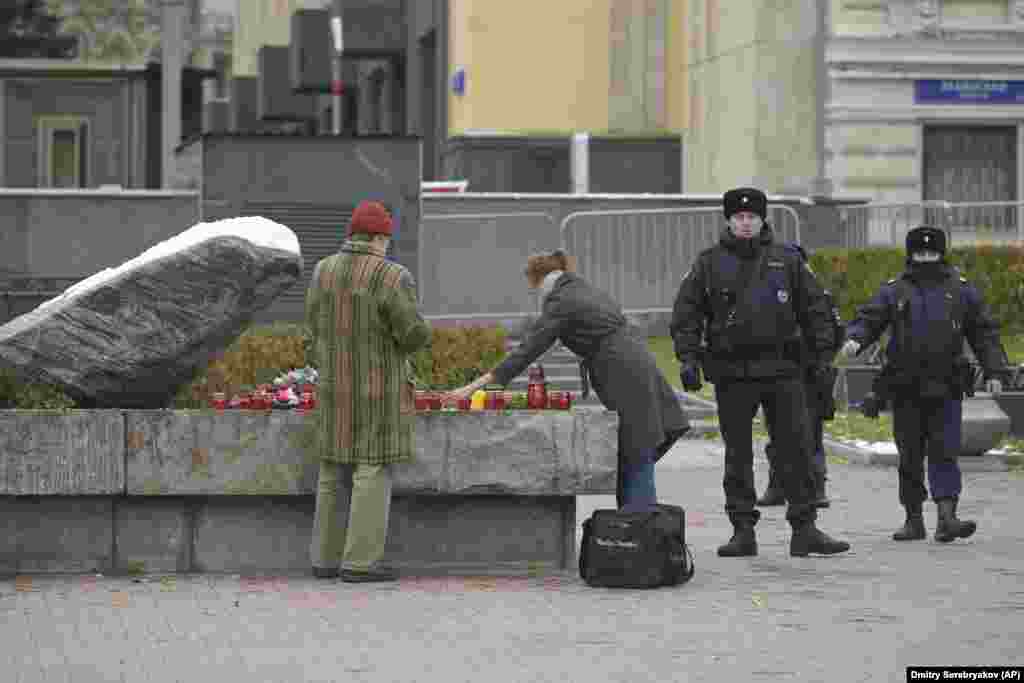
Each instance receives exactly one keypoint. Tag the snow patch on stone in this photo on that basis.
(257, 230)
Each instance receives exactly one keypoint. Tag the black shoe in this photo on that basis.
(820, 497)
(743, 542)
(808, 539)
(372, 575)
(774, 494)
(949, 527)
(913, 529)
(325, 573)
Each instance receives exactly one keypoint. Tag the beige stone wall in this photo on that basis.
(975, 11)
(531, 66)
(752, 96)
(879, 161)
(858, 17)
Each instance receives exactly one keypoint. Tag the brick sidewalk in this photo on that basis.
(863, 616)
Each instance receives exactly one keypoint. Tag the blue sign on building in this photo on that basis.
(968, 92)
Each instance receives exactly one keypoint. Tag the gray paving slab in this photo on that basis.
(862, 616)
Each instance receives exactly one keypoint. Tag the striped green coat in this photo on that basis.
(362, 316)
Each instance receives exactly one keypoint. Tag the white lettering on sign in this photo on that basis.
(608, 542)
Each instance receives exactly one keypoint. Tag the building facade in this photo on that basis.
(926, 100)
(890, 100)
(67, 124)
(467, 77)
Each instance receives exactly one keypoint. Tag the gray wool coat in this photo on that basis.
(622, 370)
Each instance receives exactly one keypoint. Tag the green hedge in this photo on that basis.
(854, 275)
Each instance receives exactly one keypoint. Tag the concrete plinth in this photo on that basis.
(234, 491)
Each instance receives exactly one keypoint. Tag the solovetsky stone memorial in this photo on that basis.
(131, 336)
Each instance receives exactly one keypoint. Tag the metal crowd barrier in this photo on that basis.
(963, 222)
(640, 256)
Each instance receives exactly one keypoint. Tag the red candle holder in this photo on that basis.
(422, 401)
(220, 402)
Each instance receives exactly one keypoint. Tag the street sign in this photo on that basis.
(935, 91)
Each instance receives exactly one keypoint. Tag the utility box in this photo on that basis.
(310, 51)
(276, 100)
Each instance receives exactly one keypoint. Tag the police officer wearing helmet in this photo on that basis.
(820, 408)
(747, 296)
(930, 310)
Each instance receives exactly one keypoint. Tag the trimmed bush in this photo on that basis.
(855, 275)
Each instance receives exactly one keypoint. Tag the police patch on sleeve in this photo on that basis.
(783, 296)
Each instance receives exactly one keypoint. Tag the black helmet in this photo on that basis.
(926, 238)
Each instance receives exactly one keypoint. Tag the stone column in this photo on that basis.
(172, 46)
(821, 185)
(637, 44)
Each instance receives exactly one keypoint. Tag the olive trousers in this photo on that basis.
(367, 531)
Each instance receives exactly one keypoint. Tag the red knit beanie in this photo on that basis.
(370, 217)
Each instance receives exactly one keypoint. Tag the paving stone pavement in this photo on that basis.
(862, 616)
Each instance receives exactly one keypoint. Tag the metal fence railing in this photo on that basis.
(640, 256)
(964, 222)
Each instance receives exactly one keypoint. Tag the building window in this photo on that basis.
(63, 151)
(970, 164)
(975, 166)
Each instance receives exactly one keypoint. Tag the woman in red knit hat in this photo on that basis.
(362, 315)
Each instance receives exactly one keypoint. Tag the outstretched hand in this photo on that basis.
(850, 349)
(461, 392)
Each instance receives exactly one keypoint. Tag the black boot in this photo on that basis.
(948, 526)
(808, 539)
(820, 497)
(913, 529)
(774, 494)
(743, 542)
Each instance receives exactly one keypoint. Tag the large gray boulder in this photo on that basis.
(130, 337)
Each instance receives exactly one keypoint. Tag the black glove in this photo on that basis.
(689, 374)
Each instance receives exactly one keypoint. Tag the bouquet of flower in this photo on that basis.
(287, 387)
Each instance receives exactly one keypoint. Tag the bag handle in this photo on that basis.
(693, 567)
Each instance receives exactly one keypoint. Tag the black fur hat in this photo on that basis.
(926, 238)
(745, 199)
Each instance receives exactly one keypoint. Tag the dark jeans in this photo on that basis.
(635, 483)
(927, 428)
(785, 408)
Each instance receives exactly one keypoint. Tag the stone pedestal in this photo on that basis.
(234, 491)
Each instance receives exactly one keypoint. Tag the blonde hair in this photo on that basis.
(539, 265)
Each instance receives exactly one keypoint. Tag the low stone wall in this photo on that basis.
(163, 490)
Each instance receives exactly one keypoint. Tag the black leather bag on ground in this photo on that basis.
(636, 549)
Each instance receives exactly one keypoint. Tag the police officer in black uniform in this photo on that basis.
(747, 296)
(930, 310)
(820, 407)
